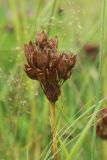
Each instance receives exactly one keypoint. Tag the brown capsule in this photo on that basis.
(66, 63)
(41, 39)
(51, 75)
(31, 72)
(53, 60)
(63, 66)
(29, 51)
(53, 43)
(52, 92)
(41, 76)
(72, 60)
(41, 60)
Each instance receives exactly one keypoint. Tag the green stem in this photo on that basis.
(50, 20)
(98, 91)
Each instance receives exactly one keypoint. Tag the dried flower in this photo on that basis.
(47, 66)
(102, 124)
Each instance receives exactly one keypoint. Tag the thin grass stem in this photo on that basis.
(53, 128)
(104, 149)
(98, 91)
(51, 16)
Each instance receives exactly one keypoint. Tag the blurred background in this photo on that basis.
(25, 132)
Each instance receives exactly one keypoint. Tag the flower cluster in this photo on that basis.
(47, 66)
(102, 124)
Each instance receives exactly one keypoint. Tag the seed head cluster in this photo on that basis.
(47, 66)
(102, 124)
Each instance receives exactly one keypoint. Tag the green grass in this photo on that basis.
(99, 84)
(25, 132)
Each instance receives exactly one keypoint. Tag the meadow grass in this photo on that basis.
(25, 132)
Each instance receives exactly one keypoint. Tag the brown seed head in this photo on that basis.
(66, 63)
(102, 124)
(47, 66)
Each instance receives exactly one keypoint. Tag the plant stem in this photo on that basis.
(104, 146)
(99, 82)
(51, 16)
(53, 129)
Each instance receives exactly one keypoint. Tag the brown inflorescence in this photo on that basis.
(47, 66)
(102, 124)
